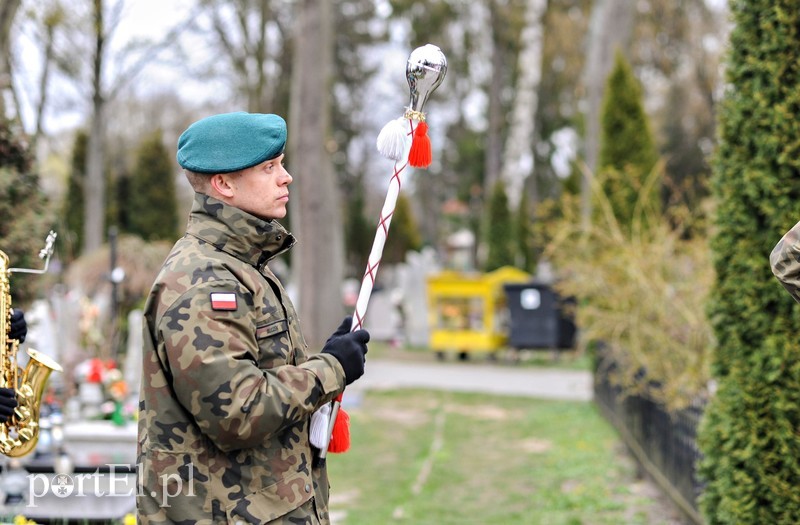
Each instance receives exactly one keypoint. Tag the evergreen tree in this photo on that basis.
(358, 233)
(72, 209)
(524, 235)
(23, 207)
(152, 211)
(404, 234)
(499, 237)
(627, 150)
(749, 433)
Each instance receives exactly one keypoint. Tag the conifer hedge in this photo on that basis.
(627, 149)
(152, 205)
(499, 232)
(750, 434)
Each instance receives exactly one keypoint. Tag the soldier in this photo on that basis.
(785, 261)
(228, 384)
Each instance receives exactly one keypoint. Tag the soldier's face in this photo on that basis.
(262, 190)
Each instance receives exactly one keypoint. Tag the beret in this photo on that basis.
(231, 142)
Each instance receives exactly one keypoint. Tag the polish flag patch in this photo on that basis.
(223, 301)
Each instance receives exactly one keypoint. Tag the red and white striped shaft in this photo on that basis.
(381, 234)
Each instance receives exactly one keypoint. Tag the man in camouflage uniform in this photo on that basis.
(785, 261)
(228, 385)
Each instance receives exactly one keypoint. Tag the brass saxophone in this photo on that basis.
(18, 436)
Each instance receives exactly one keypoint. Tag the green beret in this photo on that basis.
(231, 142)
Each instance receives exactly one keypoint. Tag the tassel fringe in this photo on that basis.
(420, 155)
(340, 438)
(320, 422)
(392, 139)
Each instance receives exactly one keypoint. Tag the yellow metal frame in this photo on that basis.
(467, 311)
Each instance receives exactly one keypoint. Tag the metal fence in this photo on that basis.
(664, 444)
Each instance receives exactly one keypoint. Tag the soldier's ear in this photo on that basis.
(221, 184)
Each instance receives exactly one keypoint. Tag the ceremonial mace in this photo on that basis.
(425, 70)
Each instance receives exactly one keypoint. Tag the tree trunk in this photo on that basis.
(94, 190)
(610, 28)
(318, 258)
(8, 9)
(518, 160)
(494, 135)
(44, 80)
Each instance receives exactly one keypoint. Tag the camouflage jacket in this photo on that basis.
(785, 261)
(228, 387)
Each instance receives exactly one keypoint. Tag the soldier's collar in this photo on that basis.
(237, 232)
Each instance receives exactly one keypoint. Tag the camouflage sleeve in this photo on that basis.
(236, 393)
(785, 261)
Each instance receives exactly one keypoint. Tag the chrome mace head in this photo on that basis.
(425, 70)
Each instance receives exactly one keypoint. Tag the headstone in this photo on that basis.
(133, 353)
(412, 280)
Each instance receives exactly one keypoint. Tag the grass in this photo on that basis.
(437, 458)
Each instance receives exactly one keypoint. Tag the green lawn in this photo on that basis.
(433, 458)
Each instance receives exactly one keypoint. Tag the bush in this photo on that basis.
(642, 292)
(749, 435)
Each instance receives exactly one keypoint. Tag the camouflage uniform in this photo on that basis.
(228, 388)
(785, 261)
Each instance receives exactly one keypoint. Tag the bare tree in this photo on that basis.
(105, 20)
(8, 10)
(95, 186)
(518, 158)
(610, 28)
(318, 259)
(494, 135)
(52, 19)
(254, 51)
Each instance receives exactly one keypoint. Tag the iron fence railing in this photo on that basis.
(664, 444)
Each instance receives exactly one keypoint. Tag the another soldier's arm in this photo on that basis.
(211, 355)
(785, 261)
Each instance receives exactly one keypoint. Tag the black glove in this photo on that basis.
(8, 401)
(349, 348)
(19, 327)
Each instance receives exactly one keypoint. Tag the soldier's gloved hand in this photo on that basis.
(19, 327)
(8, 401)
(343, 328)
(349, 348)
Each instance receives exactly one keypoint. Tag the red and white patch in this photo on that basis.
(223, 301)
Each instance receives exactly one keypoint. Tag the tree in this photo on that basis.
(499, 231)
(358, 233)
(8, 10)
(99, 84)
(316, 216)
(72, 214)
(256, 63)
(518, 160)
(748, 436)
(524, 235)
(610, 29)
(627, 149)
(23, 207)
(151, 204)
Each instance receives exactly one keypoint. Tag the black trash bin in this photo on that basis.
(539, 317)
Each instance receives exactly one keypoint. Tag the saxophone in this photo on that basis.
(18, 436)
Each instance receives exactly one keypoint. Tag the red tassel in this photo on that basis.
(420, 155)
(340, 438)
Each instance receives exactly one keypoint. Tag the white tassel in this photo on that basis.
(320, 423)
(392, 139)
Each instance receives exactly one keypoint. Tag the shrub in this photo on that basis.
(642, 292)
(749, 434)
